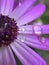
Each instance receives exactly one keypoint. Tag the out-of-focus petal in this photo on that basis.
(20, 10)
(6, 6)
(35, 13)
(34, 41)
(26, 55)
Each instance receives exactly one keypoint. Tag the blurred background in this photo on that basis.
(45, 20)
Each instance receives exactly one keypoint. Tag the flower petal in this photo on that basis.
(45, 29)
(0, 6)
(20, 57)
(35, 41)
(28, 29)
(1, 58)
(29, 55)
(45, 40)
(6, 6)
(36, 12)
(34, 29)
(8, 58)
(21, 9)
(41, 29)
(13, 62)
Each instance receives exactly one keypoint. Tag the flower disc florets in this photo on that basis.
(8, 30)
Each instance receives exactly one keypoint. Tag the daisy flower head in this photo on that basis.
(17, 36)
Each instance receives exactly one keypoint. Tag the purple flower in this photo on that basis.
(17, 35)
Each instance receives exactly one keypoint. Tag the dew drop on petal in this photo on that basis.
(37, 30)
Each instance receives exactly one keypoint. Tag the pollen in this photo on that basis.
(12, 32)
(7, 36)
(3, 41)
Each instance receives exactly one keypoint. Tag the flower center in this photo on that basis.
(8, 30)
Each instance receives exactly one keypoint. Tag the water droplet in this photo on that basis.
(37, 30)
(19, 3)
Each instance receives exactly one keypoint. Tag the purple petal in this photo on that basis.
(1, 58)
(13, 62)
(20, 57)
(6, 58)
(6, 6)
(28, 54)
(45, 40)
(28, 29)
(35, 41)
(34, 29)
(45, 29)
(0, 7)
(35, 13)
(21, 9)
(41, 29)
